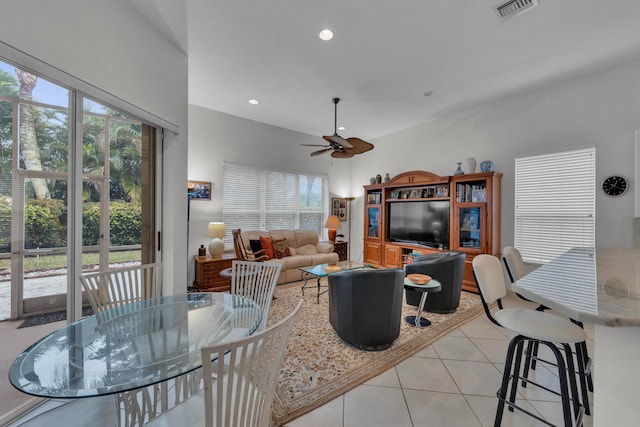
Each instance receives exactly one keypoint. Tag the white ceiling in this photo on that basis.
(385, 55)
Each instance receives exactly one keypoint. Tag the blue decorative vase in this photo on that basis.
(458, 170)
(486, 166)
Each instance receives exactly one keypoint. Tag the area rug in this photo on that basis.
(320, 366)
(56, 316)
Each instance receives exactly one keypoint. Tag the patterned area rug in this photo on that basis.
(320, 366)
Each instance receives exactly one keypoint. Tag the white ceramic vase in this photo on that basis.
(469, 165)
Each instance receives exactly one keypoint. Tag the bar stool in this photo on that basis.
(516, 269)
(531, 326)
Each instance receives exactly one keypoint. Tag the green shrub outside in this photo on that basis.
(45, 224)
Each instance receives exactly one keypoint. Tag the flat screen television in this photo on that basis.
(421, 222)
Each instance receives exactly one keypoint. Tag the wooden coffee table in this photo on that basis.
(323, 270)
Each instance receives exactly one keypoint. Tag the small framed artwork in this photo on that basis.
(339, 207)
(470, 221)
(199, 190)
(415, 194)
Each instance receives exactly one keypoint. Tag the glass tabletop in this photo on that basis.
(132, 346)
(322, 270)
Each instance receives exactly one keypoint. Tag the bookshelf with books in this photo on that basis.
(475, 218)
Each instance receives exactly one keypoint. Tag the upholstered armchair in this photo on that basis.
(447, 268)
(365, 306)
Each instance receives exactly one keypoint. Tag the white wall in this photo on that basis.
(110, 46)
(216, 137)
(602, 109)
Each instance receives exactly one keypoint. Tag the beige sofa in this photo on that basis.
(304, 245)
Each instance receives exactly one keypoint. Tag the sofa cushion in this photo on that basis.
(281, 248)
(306, 237)
(308, 249)
(267, 245)
(296, 261)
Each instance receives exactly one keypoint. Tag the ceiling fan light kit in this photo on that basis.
(343, 148)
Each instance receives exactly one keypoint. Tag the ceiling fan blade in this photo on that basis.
(316, 153)
(337, 139)
(359, 146)
(341, 154)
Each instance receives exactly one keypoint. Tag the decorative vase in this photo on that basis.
(372, 180)
(387, 178)
(469, 165)
(378, 179)
(458, 170)
(486, 166)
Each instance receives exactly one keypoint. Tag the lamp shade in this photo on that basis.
(332, 222)
(216, 230)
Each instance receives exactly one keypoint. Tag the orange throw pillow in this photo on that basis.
(267, 245)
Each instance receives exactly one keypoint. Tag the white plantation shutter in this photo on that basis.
(255, 198)
(554, 203)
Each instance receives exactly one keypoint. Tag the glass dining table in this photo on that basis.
(132, 346)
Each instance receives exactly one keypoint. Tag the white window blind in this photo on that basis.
(255, 198)
(554, 203)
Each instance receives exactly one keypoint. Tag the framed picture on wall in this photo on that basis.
(339, 208)
(199, 190)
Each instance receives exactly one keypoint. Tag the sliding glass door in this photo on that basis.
(48, 136)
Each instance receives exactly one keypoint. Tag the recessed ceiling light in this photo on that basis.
(341, 128)
(253, 101)
(326, 34)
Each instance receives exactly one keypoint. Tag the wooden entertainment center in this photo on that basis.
(474, 218)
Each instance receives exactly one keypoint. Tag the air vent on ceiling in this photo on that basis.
(515, 7)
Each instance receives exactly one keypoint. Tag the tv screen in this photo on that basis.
(424, 222)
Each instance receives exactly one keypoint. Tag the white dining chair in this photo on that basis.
(530, 326)
(255, 280)
(114, 288)
(107, 292)
(239, 393)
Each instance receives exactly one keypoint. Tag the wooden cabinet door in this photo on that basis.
(392, 256)
(372, 253)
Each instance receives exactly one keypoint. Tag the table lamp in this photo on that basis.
(216, 231)
(333, 223)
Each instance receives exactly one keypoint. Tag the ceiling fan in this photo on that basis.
(341, 148)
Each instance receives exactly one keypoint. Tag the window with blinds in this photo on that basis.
(255, 198)
(554, 203)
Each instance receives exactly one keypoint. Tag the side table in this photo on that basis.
(208, 269)
(431, 286)
(341, 248)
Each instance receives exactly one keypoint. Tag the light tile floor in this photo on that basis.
(452, 382)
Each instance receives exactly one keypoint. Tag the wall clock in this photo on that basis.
(615, 186)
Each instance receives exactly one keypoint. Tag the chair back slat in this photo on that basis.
(255, 280)
(114, 288)
(240, 381)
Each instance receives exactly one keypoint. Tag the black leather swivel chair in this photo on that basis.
(447, 268)
(365, 306)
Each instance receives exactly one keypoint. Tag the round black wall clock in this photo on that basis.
(615, 186)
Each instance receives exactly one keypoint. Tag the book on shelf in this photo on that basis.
(471, 193)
